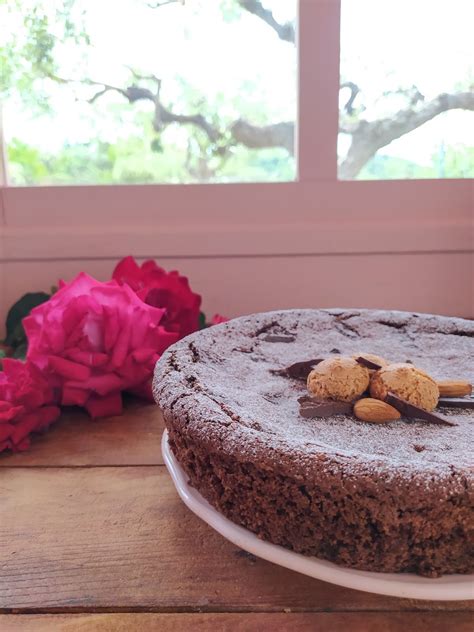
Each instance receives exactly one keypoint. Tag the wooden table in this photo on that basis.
(94, 537)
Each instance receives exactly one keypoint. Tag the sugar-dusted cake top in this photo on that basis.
(225, 376)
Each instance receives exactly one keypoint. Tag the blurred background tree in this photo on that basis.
(186, 91)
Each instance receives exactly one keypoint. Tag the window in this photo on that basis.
(309, 212)
(407, 85)
(158, 91)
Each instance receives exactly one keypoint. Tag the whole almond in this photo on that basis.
(375, 411)
(454, 388)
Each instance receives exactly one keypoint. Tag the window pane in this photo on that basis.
(140, 91)
(407, 89)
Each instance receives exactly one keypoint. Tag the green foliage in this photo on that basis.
(231, 10)
(31, 71)
(451, 162)
(382, 167)
(136, 160)
(16, 338)
(458, 162)
(74, 163)
(26, 163)
(202, 320)
(258, 165)
(39, 46)
(33, 31)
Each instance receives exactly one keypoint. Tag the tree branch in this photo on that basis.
(167, 116)
(354, 88)
(163, 116)
(132, 93)
(285, 32)
(370, 136)
(157, 5)
(140, 77)
(367, 136)
(258, 137)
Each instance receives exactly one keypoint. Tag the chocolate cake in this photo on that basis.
(393, 497)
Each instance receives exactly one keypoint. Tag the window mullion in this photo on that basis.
(318, 105)
(3, 155)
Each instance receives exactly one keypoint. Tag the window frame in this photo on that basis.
(317, 213)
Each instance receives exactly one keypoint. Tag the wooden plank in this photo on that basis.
(130, 439)
(86, 538)
(248, 622)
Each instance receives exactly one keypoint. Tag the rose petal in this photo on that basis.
(88, 358)
(5, 445)
(149, 267)
(23, 445)
(127, 271)
(133, 373)
(107, 406)
(101, 384)
(46, 416)
(121, 346)
(111, 327)
(5, 431)
(73, 396)
(217, 319)
(36, 420)
(23, 428)
(163, 339)
(143, 355)
(11, 413)
(68, 369)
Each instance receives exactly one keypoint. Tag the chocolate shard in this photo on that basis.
(414, 412)
(311, 407)
(277, 338)
(368, 363)
(456, 402)
(298, 370)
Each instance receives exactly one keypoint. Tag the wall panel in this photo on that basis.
(439, 283)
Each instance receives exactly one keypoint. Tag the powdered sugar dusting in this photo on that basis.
(231, 364)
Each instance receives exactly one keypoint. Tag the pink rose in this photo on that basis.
(25, 404)
(217, 319)
(94, 340)
(168, 290)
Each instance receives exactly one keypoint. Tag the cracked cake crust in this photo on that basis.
(396, 497)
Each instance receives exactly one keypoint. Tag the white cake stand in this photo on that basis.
(447, 588)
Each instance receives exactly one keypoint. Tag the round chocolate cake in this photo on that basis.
(389, 497)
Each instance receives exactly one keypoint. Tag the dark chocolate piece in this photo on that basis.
(368, 363)
(456, 402)
(298, 370)
(312, 407)
(414, 412)
(277, 338)
(334, 350)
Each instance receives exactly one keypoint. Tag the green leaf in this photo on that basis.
(20, 351)
(202, 320)
(156, 146)
(18, 335)
(15, 332)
